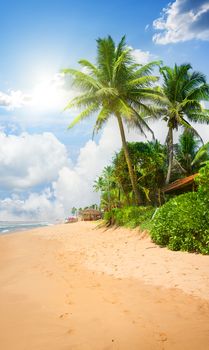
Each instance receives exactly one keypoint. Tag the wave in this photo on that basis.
(12, 226)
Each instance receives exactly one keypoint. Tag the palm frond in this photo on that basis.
(87, 112)
(106, 57)
(90, 66)
(101, 120)
(199, 93)
(202, 154)
(144, 80)
(83, 80)
(199, 116)
(187, 125)
(80, 101)
(140, 122)
(148, 68)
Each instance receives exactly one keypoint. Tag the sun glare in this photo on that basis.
(49, 94)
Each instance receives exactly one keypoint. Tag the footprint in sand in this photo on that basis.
(126, 311)
(64, 316)
(162, 337)
(48, 273)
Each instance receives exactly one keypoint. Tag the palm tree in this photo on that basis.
(189, 153)
(74, 211)
(106, 184)
(149, 162)
(117, 86)
(183, 90)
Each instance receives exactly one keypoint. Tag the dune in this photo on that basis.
(76, 286)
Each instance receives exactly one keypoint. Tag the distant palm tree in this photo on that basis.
(183, 90)
(117, 86)
(74, 211)
(106, 184)
(189, 153)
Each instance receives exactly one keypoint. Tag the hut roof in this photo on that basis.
(91, 211)
(180, 183)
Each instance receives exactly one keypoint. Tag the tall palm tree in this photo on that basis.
(115, 85)
(183, 90)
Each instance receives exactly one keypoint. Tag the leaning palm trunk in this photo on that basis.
(128, 161)
(170, 154)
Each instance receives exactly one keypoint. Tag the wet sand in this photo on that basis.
(77, 287)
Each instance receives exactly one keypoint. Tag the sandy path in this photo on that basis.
(74, 287)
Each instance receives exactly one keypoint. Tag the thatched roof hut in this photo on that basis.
(90, 214)
(186, 184)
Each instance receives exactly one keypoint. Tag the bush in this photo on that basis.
(183, 224)
(129, 216)
(202, 181)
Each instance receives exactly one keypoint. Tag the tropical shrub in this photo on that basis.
(132, 216)
(183, 224)
(149, 162)
(203, 183)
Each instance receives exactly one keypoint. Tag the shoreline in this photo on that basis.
(74, 286)
(22, 226)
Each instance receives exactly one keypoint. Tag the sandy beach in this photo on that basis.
(75, 286)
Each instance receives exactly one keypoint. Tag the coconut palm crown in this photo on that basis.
(184, 91)
(116, 85)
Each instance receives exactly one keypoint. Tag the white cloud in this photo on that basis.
(37, 207)
(141, 57)
(183, 20)
(30, 160)
(14, 99)
(74, 186)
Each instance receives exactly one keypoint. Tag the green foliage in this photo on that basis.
(107, 186)
(149, 162)
(184, 91)
(203, 182)
(183, 224)
(129, 216)
(190, 155)
(115, 85)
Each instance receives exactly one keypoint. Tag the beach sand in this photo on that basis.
(74, 286)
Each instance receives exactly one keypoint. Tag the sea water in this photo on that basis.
(12, 226)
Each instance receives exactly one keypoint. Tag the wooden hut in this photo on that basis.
(90, 214)
(187, 184)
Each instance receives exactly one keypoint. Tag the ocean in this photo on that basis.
(12, 226)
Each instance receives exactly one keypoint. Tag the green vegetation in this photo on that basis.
(189, 154)
(183, 222)
(149, 161)
(183, 90)
(129, 216)
(132, 187)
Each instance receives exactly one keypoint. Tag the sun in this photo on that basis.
(49, 94)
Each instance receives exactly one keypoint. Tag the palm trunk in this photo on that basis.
(128, 161)
(170, 154)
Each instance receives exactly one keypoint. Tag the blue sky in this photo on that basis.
(38, 39)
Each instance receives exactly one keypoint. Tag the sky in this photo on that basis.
(46, 169)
